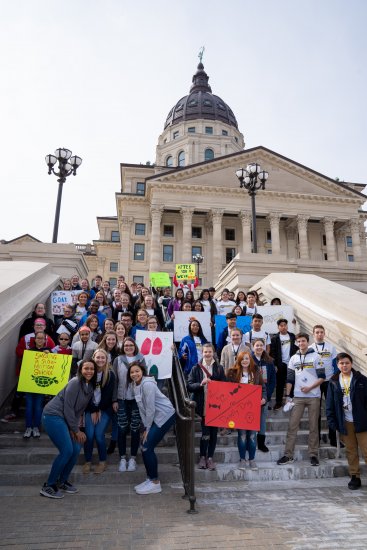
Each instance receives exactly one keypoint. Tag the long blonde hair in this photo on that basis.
(106, 368)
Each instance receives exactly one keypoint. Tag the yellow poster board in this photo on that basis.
(46, 373)
(185, 272)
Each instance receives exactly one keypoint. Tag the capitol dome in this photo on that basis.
(201, 103)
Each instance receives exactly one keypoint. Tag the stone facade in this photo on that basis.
(171, 210)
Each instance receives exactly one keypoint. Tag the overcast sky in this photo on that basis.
(99, 78)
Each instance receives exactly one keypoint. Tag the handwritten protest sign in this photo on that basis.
(44, 373)
(233, 406)
(61, 298)
(271, 314)
(185, 272)
(181, 324)
(159, 279)
(243, 322)
(157, 350)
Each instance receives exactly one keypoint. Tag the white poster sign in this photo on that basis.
(61, 298)
(182, 320)
(157, 350)
(271, 315)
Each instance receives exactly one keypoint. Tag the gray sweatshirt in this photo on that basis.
(153, 405)
(71, 402)
(120, 368)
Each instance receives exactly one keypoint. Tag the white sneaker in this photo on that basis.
(36, 432)
(131, 465)
(141, 484)
(28, 433)
(149, 488)
(122, 465)
(253, 465)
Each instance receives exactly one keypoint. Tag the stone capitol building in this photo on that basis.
(189, 202)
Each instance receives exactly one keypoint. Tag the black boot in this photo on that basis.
(261, 443)
(111, 447)
(354, 483)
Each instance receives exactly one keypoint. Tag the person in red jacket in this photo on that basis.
(63, 347)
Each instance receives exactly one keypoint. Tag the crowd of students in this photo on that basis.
(109, 384)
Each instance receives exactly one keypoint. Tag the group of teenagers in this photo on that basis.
(110, 385)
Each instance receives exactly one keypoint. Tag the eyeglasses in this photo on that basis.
(66, 339)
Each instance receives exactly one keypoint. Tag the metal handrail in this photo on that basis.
(185, 430)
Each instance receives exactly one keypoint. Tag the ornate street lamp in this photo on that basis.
(67, 165)
(198, 259)
(252, 179)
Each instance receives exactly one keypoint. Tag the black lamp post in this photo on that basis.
(67, 165)
(198, 259)
(252, 179)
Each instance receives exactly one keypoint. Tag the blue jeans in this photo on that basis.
(246, 441)
(155, 435)
(128, 417)
(33, 409)
(58, 432)
(97, 432)
(264, 414)
(114, 427)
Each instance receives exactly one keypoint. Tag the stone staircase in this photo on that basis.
(27, 462)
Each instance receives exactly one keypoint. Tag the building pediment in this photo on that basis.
(285, 176)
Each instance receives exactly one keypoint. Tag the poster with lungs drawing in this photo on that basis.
(157, 350)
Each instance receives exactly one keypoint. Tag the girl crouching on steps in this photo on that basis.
(157, 416)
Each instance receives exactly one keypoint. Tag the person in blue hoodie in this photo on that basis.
(266, 366)
(157, 416)
(190, 351)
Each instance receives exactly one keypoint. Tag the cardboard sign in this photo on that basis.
(243, 322)
(159, 279)
(157, 350)
(182, 320)
(185, 272)
(61, 298)
(271, 315)
(235, 406)
(46, 373)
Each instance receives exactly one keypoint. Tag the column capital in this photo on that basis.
(328, 221)
(245, 217)
(302, 220)
(126, 221)
(274, 218)
(156, 211)
(216, 214)
(187, 212)
(354, 224)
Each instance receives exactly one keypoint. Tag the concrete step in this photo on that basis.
(35, 454)
(168, 473)
(272, 438)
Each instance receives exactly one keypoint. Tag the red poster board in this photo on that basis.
(233, 405)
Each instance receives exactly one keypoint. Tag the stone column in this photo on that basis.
(304, 253)
(330, 239)
(290, 231)
(217, 215)
(246, 232)
(362, 238)
(125, 244)
(274, 219)
(155, 238)
(356, 241)
(186, 256)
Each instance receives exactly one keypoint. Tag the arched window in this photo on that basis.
(181, 158)
(209, 154)
(169, 161)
